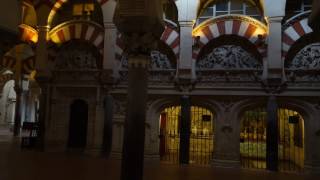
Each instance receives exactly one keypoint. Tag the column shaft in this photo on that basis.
(107, 130)
(134, 133)
(17, 116)
(272, 134)
(185, 126)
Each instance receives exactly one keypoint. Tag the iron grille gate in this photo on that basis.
(290, 140)
(201, 135)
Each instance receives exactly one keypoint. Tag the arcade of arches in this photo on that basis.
(230, 84)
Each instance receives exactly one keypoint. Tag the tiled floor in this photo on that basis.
(23, 165)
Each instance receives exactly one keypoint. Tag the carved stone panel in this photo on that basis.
(307, 58)
(228, 56)
(76, 56)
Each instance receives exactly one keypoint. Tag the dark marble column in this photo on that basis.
(272, 134)
(185, 125)
(107, 130)
(134, 133)
(17, 115)
(44, 85)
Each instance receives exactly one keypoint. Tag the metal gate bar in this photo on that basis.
(291, 145)
(201, 148)
(253, 139)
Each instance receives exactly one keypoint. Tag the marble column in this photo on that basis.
(43, 79)
(43, 83)
(17, 116)
(134, 134)
(185, 129)
(272, 134)
(107, 130)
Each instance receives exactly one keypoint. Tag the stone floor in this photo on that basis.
(28, 165)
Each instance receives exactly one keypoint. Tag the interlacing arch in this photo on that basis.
(293, 30)
(79, 29)
(170, 37)
(28, 33)
(243, 26)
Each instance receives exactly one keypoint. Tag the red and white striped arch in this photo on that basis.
(170, 36)
(59, 3)
(242, 26)
(83, 30)
(293, 33)
(28, 33)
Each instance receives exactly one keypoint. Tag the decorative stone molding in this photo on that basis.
(185, 85)
(307, 58)
(274, 85)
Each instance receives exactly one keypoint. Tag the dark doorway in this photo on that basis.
(78, 124)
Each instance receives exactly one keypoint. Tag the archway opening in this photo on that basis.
(78, 124)
(201, 135)
(253, 140)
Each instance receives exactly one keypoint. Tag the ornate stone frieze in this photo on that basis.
(77, 56)
(228, 57)
(307, 59)
(305, 66)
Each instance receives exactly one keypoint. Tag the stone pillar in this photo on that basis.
(275, 11)
(275, 62)
(185, 129)
(110, 32)
(134, 134)
(272, 134)
(187, 14)
(186, 41)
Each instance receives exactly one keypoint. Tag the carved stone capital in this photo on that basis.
(185, 85)
(136, 43)
(136, 61)
(107, 80)
(274, 85)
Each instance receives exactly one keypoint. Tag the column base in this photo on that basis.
(54, 146)
(312, 168)
(153, 157)
(224, 163)
(94, 152)
(116, 155)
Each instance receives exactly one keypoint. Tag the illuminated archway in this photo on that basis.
(253, 139)
(201, 135)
